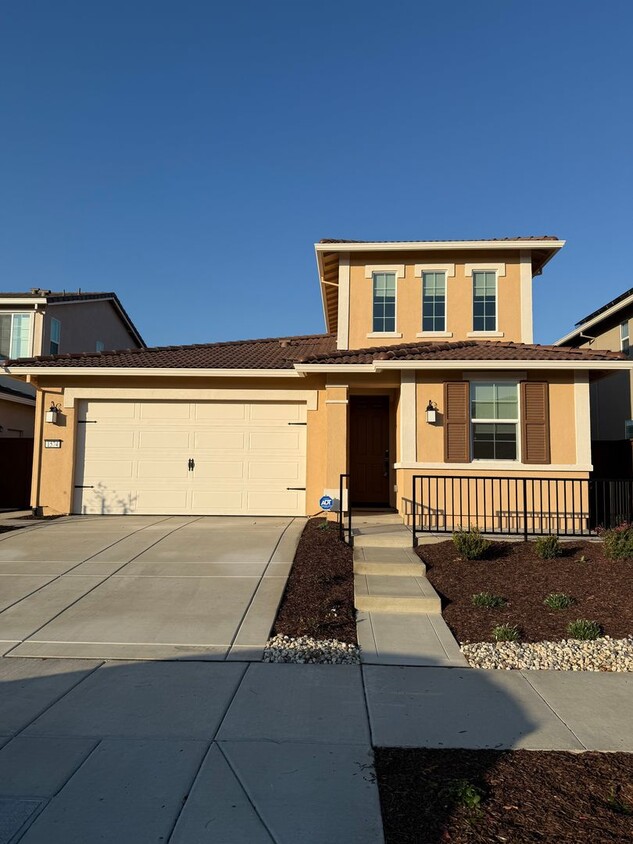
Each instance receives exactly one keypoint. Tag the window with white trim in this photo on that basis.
(624, 336)
(484, 300)
(56, 336)
(15, 335)
(494, 412)
(384, 302)
(434, 301)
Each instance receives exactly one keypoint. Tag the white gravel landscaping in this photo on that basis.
(305, 649)
(603, 654)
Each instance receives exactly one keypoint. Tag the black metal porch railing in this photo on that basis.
(518, 506)
(345, 524)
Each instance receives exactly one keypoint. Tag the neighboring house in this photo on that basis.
(42, 322)
(609, 327)
(428, 368)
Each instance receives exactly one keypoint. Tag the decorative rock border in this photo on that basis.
(305, 649)
(603, 654)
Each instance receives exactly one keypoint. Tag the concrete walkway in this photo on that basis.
(399, 619)
(137, 587)
(245, 753)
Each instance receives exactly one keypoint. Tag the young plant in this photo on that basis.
(548, 547)
(488, 601)
(558, 601)
(463, 793)
(615, 802)
(618, 542)
(582, 559)
(505, 633)
(583, 629)
(470, 543)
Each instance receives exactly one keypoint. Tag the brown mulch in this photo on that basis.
(319, 596)
(32, 518)
(600, 588)
(526, 796)
(7, 528)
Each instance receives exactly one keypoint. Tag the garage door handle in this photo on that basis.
(296, 487)
(191, 464)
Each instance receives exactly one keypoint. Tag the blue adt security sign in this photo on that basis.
(326, 503)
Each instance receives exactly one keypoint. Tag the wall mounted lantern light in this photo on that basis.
(431, 413)
(52, 414)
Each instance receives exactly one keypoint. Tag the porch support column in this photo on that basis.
(583, 419)
(336, 402)
(408, 417)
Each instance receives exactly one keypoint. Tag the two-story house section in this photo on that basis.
(427, 369)
(42, 322)
(609, 327)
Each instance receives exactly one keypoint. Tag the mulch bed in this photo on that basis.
(319, 596)
(600, 588)
(7, 528)
(526, 796)
(32, 518)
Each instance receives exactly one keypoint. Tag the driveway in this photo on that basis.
(138, 587)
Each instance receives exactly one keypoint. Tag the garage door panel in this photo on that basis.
(246, 456)
(219, 470)
(165, 410)
(221, 411)
(222, 440)
(275, 440)
(277, 470)
(163, 439)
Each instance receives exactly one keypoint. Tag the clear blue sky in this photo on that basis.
(188, 153)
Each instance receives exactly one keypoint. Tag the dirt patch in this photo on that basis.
(430, 796)
(319, 596)
(7, 528)
(32, 518)
(512, 570)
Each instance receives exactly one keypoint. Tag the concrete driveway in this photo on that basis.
(138, 587)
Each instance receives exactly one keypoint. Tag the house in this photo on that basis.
(42, 322)
(609, 327)
(428, 368)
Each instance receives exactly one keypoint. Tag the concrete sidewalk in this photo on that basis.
(243, 753)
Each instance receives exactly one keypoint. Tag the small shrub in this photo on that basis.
(505, 633)
(463, 793)
(558, 601)
(615, 802)
(583, 629)
(470, 543)
(548, 547)
(488, 601)
(618, 542)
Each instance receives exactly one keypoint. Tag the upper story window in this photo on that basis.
(484, 300)
(15, 335)
(434, 301)
(384, 303)
(56, 336)
(624, 337)
(494, 419)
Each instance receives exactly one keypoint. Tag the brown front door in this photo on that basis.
(369, 450)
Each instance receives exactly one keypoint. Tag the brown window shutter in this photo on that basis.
(456, 422)
(535, 422)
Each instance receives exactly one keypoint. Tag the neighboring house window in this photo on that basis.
(384, 302)
(434, 302)
(15, 335)
(56, 335)
(624, 336)
(494, 420)
(100, 345)
(484, 301)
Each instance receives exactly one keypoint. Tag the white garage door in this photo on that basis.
(204, 458)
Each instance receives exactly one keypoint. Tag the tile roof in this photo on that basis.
(269, 353)
(459, 240)
(467, 350)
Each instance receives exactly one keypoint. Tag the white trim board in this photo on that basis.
(495, 466)
(74, 394)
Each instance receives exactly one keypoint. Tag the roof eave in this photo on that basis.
(148, 371)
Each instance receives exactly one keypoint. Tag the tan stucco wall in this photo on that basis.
(327, 428)
(83, 323)
(16, 420)
(459, 296)
(430, 440)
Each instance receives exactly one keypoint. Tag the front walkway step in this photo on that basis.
(401, 562)
(399, 639)
(395, 594)
(383, 536)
